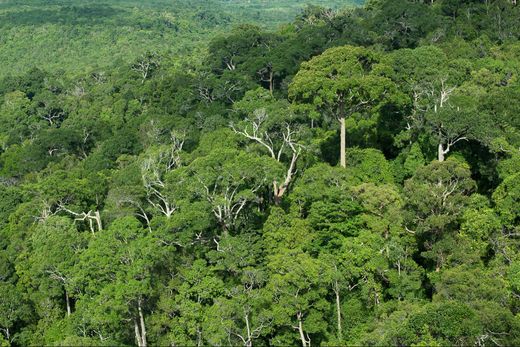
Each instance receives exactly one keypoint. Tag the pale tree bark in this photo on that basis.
(67, 300)
(145, 65)
(137, 334)
(436, 98)
(56, 275)
(7, 334)
(92, 217)
(445, 145)
(225, 203)
(143, 327)
(140, 212)
(343, 133)
(305, 339)
(249, 341)
(253, 327)
(153, 171)
(275, 147)
(251, 333)
(46, 211)
(51, 116)
(279, 190)
(441, 152)
(338, 309)
(347, 106)
(230, 64)
(445, 142)
(139, 327)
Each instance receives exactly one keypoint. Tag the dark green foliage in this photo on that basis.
(169, 173)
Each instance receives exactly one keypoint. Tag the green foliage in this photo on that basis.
(506, 198)
(168, 173)
(79, 36)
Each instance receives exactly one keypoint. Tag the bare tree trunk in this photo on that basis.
(98, 220)
(249, 341)
(67, 300)
(305, 342)
(338, 309)
(199, 337)
(280, 191)
(343, 145)
(143, 327)
(441, 152)
(137, 334)
(139, 327)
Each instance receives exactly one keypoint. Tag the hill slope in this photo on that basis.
(79, 35)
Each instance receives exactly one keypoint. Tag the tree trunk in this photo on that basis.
(249, 341)
(67, 300)
(143, 327)
(98, 221)
(441, 152)
(277, 195)
(343, 141)
(305, 342)
(137, 334)
(338, 309)
(280, 191)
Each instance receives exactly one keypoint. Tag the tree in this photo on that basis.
(457, 118)
(15, 112)
(506, 200)
(296, 277)
(343, 81)
(146, 65)
(76, 193)
(436, 197)
(116, 272)
(445, 101)
(14, 309)
(230, 180)
(402, 24)
(272, 125)
(157, 163)
(184, 305)
(49, 108)
(55, 249)
(244, 313)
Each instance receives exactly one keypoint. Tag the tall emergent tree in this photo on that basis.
(341, 82)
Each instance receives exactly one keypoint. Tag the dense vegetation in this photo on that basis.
(351, 178)
(75, 36)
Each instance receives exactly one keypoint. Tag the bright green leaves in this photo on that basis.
(343, 82)
(216, 213)
(273, 127)
(16, 118)
(448, 323)
(230, 181)
(182, 307)
(13, 310)
(436, 198)
(295, 282)
(507, 200)
(437, 195)
(116, 272)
